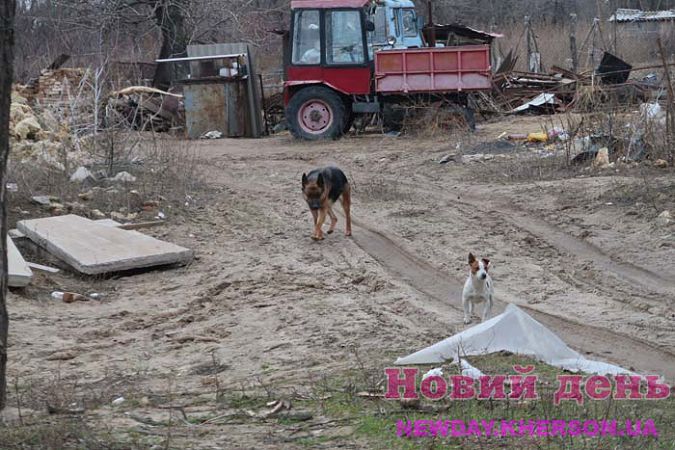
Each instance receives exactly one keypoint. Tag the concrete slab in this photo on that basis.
(93, 248)
(20, 274)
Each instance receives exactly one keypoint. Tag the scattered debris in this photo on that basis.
(92, 248)
(650, 111)
(537, 137)
(43, 200)
(447, 158)
(372, 395)
(12, 187)
(68, 297)
(212, 135)
(661, 163)
(664, 218)
(541, 103)
(118, 401)
(124, 177)
(81, 174)
(602, 158)
(613, 70)
(42, 268)
(74, 409)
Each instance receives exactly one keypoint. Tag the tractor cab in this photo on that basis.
(396, 25)
(329, 36)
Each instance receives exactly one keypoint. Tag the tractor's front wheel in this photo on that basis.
(316, 112)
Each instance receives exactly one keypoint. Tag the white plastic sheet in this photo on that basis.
(517, 332)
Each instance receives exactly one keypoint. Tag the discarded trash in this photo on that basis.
(12, 187)
(447, 158)
(95, 296)
(212, 135)
(613, 70)
(43, 200)
(71, 297)
(118, 401)
(664, 218)
(558, 133)
(81, 174)
(518, 333)
(661, 163)
(602, 158)
(517, 137)
(537, 137)
(42, 268)
(437, 372)
(541, 101)
(124, 177)
(160, 215)
(68, 297)
(649, 111)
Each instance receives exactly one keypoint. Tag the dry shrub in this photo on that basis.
(634, 46)
(430, 118)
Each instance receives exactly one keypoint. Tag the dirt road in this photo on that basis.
(264, 305)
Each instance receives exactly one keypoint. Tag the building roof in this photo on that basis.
(636, 15)
(323, 4)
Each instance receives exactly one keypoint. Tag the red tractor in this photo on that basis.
(335, 73)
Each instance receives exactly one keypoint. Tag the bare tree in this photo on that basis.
(7, 9)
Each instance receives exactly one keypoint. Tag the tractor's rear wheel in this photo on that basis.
(316, 112)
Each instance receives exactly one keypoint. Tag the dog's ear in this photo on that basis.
(304, 180)
(319, 180)
(471, 258)
(486, 263)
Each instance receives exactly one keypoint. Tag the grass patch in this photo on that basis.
(375, 419)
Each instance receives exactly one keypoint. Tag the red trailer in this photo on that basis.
(334, 74)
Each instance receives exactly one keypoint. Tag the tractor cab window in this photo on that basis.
(379, 36)
(306, 38)
(409, 23)
(344, 38)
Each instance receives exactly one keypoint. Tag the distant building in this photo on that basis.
(648, 22)
(634, 23)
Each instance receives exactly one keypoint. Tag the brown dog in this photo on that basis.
(321, 188)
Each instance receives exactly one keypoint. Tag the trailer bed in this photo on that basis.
(437, 70)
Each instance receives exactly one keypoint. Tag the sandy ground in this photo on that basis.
(264, 305)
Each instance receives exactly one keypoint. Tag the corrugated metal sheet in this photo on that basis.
(636, 15)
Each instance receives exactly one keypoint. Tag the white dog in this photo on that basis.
(478, 288)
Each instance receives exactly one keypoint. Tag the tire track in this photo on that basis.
(564, 242)
(445, 292)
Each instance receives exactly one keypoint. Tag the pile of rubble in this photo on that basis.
(564, 90)
(37, 135)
